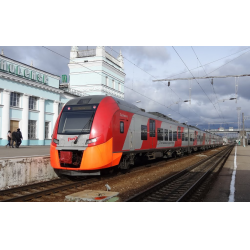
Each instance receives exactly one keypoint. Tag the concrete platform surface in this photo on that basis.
(91, 195)
(24, 151)
(233, 182)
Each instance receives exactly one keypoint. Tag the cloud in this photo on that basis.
(148, 53)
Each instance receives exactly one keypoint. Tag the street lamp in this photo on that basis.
(230, 99)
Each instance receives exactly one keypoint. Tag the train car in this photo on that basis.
(96, 133)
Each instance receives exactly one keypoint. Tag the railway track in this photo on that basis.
(34, 191)
(47, 189)
(187, 185)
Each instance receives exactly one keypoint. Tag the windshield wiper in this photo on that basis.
(88, 123)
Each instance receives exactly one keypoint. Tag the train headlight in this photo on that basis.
(91, 141)
(56, 141)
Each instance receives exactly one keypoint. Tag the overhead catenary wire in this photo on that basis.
(190, 69)
(211, 84)
(248, 48)
(195, 79)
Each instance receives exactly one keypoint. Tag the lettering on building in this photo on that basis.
(20, 71)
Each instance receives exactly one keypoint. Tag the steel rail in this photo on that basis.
(48, 191)
(31, 186)
(169, 180)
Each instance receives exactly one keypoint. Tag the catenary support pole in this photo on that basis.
(243, 137)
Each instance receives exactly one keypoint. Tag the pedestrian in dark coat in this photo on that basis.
(14, 138)
(19, 137)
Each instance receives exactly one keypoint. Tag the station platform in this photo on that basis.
(233, 181)
(25, 165)
(24, 151)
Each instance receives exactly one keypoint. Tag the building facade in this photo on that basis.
(96, 72)
(30, 99)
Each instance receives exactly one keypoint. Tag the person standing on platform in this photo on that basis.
(9, 139)
(19, 137)
(14, 138)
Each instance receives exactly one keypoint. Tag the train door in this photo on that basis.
(204, 139)
(132, 134)
(179, 135)
(195, 137)
(151, 133)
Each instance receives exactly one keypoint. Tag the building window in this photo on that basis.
(113, 84)
(144, 132)
(160, 134)
(107, 81)
(32, 129)
(47, 130)
(122, 127)
(14, 99)
(152, 128)
(32, 102)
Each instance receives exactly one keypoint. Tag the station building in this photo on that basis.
(30, 99)
(96, 72)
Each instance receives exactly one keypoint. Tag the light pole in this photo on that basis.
(238, 109)
(243, 137)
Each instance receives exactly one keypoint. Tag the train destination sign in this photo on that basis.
(17, 70)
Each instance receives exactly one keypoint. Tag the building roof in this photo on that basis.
(28, 65)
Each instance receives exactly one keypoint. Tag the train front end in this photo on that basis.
(82, 142)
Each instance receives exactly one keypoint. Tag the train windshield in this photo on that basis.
(76, 122)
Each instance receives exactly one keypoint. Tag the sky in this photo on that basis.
(143, 64)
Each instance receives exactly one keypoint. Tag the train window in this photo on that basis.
(186, 136)
(183, 137)
(144, 133)
(152, 128)
(170, 135)
(179, 132)
(160, 134)
(166, 134)
(174, 135)
(122, 127)
(75, 122)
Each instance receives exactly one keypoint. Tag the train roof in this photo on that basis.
(123, 105)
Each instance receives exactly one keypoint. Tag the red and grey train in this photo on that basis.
(95, 133)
